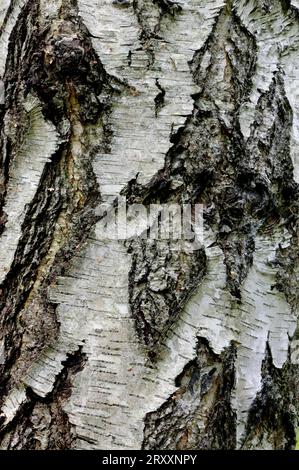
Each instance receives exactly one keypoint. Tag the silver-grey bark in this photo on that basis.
(116, 344)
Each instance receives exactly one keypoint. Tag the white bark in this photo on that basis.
(144, 53)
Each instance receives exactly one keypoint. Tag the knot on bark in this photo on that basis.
(65, 54)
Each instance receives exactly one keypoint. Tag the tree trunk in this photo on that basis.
(140, 343)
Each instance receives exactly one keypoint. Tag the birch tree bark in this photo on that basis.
(110, 344)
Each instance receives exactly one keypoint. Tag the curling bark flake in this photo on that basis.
(134, 344)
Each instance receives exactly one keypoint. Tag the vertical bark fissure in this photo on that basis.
(153, 344)
(61, 69)
(199, 414)
(41, 423)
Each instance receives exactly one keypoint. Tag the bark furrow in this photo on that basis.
(142, 343)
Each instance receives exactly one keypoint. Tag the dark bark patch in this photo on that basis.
(198, 415)
(272, 418)
(41, 423)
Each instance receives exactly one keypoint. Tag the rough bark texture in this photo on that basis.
(108, 344)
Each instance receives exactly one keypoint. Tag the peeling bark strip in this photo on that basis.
(113, 345)
(199, 413)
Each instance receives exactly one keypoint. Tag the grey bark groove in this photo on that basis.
(228, 141)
